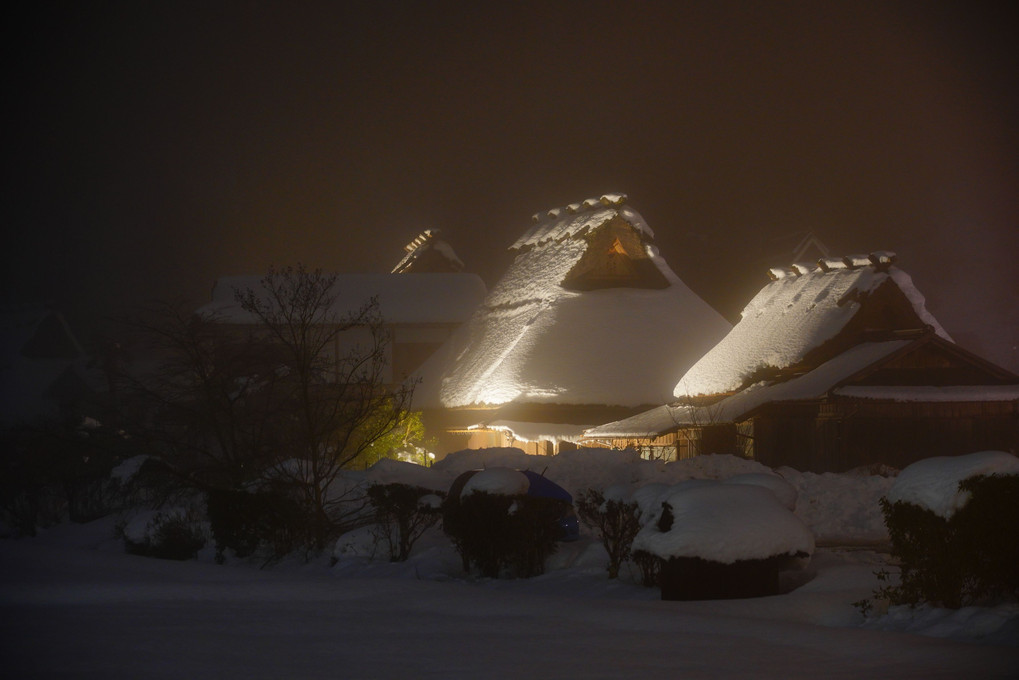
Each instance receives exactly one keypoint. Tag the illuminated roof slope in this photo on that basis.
(808, 314)
(588, 313)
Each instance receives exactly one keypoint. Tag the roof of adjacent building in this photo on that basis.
(801, 309)
(402, 298)
(428, 253)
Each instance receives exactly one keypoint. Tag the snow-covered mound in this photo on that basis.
(502, 481)
(783, 490)
(726, 523)
(933, 483)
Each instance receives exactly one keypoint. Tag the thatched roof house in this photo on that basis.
(420, 304)
(832, 367)
(589, 321)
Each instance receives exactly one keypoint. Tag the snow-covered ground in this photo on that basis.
(72, 604)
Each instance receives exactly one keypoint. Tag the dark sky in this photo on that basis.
(157, 146)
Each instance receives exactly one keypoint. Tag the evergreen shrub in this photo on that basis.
(504, 535)
(967, 559)
(244, 522)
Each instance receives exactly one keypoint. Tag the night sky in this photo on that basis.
(157, 146)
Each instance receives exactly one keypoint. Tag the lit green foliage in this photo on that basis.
(406, 431)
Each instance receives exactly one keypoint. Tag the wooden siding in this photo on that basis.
(847, 433)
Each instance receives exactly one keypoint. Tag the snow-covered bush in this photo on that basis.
(402, 514)
(722, 540)
(616, 520)
(952, 522)
(505, 535)
(172, 534)
(497, 528)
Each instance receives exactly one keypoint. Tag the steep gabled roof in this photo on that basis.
(797, 318)
(428, 254)
(534, 340)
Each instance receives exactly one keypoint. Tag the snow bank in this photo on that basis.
(783, 490)
(841, 509)
(837, 508)
(125, 471)
(933, 483)
(727, 523)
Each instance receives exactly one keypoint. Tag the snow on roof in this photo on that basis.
(428, 241)
(577, 219)
(536, 432)
(534, 341)
(727, 523)
(797, 312)
(933, 483)
(810, 385)
(930, 393)
(403, 298)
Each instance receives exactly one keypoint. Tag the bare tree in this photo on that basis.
(280, 399)
(330, 389)
(200, 397)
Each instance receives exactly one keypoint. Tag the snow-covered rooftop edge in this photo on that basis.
(800, 310)
(402, 298)
(808, 386)
(576, 218)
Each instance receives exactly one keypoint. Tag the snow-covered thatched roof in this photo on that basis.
(803, 307)
(731, 409)
(402, 298)
(428, 253)
(536, 341)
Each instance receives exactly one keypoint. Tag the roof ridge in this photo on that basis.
(880, 260)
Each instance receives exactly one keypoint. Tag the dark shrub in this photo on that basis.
(173, 536)
(401, 516)
(650, 566)
(616, 522)
(968, 559)
(496, 534)
(245, 522)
